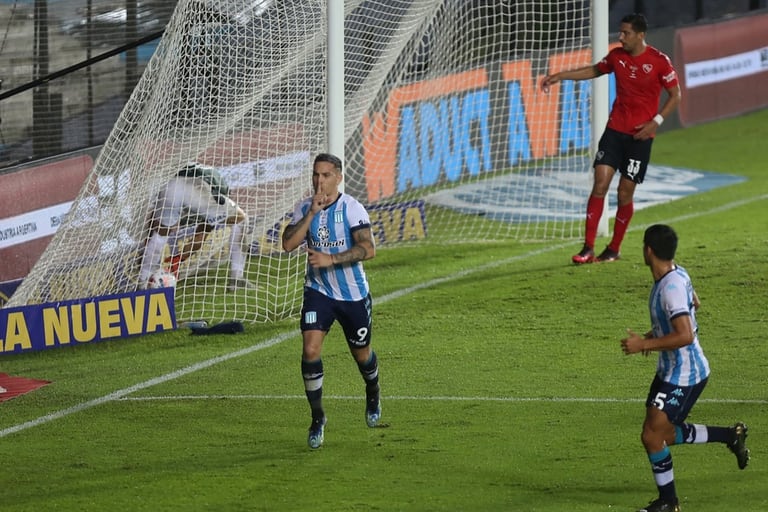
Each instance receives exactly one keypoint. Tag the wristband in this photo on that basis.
(658, 119)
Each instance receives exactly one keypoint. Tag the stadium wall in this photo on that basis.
(33, 203)
(723, 68)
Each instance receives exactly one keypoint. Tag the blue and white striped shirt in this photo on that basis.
(331, 232)
(672, 296)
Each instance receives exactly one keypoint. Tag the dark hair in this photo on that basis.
(331, 159)
(638, 22)
(662, 240)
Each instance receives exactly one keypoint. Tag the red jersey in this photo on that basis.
(639, 81)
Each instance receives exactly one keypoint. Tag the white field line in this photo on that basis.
(511, 399)
(122, 393)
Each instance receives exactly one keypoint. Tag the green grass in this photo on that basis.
(504, 384)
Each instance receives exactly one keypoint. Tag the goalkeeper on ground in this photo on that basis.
(196, 197)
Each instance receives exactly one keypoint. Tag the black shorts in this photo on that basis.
(675, 401)
(320, 311)
(625, 154)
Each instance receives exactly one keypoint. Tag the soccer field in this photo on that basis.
(504, 386)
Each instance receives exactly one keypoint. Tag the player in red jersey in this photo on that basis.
(641, 73)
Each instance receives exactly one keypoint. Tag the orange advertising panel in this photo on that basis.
(380, 139)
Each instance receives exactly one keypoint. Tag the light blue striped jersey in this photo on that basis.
(672, 296)
(331, 232)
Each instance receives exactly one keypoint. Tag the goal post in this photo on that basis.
(335, 80)
(435, 106)
(600, 108)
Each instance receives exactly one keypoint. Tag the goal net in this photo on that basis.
(448, 138)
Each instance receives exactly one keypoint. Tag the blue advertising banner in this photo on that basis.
(43, 326)
(6, 290)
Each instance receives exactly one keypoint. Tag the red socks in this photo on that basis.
(594, 212)
(623, 216)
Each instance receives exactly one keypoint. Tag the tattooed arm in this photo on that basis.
(363, 249)
(294, 234)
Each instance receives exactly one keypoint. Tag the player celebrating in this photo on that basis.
(682, 370)
(196, 196)
(338, 233)
(641, 72)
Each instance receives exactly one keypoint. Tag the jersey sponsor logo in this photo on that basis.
(337, 243)
(324, 239)
(669, 77)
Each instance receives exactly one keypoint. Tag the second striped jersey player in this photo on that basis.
(673, 296)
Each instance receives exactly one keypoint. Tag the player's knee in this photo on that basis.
(625, 197)
(362, 354)
(648, 437)
(600, 188)
(312, 349)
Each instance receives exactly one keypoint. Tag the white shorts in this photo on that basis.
(184, 197)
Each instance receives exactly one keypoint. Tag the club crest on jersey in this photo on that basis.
(647, 68)
(338, 217)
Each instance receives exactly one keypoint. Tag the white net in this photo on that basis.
(448, 139)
